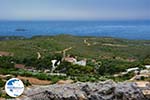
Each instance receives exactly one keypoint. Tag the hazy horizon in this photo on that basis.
(74, 10)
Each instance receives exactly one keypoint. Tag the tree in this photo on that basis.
(6, 62)
(72, 70)
(147, 61)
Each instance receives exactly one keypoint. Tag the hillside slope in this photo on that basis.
(84, 47)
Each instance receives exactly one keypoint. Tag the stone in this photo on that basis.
(107, 90)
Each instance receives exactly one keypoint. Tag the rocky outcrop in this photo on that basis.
(107, 90)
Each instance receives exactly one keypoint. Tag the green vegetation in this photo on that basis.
(6, 62)
(41, 76)
(147, 60)
(123, 78)
(99, 48)
(1, 83)
(105, 56)
(73, 70)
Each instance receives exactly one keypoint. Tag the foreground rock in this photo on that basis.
(107, 90)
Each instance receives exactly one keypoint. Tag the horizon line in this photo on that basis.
(82, 20)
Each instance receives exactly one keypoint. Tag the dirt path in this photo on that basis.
(35, 81)
(114, 45)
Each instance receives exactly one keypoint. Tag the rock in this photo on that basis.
(82, 97)
(86, 89)
(128, 90)
(107, 90)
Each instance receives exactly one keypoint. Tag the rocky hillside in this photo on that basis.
(107, 90)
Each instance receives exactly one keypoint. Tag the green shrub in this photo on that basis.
(142, 78)
(2, 83)
(0, 93)
(6, 62)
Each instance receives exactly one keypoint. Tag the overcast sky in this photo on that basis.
(74, 9)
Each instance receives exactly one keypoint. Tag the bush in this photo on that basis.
(74, 70)
(6, 62)
(142, 78)
(123, 78)
(55, 79)
(42, 76)
(8, 77)
(147, 60)
(0, 93)
(2, 83)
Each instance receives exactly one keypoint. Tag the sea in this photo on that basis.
(136, 30)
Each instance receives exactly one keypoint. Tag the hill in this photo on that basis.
(83, 47)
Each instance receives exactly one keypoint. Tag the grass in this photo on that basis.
(97, 50)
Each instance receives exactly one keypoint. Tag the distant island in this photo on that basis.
(19, 29)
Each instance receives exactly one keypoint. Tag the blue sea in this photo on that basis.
(138, 30)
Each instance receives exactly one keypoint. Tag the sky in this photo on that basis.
(74, 9)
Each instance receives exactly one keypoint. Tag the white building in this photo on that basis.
(81, 63)
(132, 69)
(73, 60)
(147, 66)
(54, 64)
(144, 71)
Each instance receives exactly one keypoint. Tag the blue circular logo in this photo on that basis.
(14, 87)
